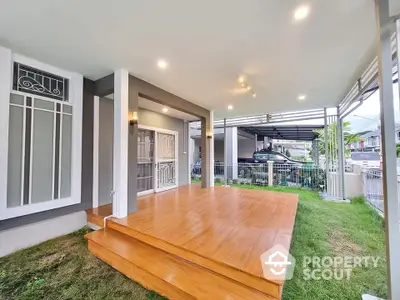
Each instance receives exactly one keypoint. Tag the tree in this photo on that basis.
(398, 149)
(288, 153)
(348, 138)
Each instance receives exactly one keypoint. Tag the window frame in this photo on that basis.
(75, 92)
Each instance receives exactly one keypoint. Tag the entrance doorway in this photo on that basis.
(157, 160)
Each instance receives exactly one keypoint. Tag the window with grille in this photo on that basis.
(39, 139)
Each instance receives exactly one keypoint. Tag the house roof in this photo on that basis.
(377, 132)
(285, 132)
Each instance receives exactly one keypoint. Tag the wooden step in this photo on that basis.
(261, 284)
(167, 274)
(96, 215)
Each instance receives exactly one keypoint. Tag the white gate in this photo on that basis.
(166, 161)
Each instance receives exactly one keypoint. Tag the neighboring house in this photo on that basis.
(371, 141)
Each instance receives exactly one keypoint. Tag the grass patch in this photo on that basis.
(63, 268)
(335, 229)
(358, 200)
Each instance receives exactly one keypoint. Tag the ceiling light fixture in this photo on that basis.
(230, 107)
(301, 12)
(162, 64)
(243, 85)
(165, 109)
(241, 79)
(254, 94)
(301, 97)
(248, 88)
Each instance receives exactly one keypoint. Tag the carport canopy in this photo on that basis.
(284, 132)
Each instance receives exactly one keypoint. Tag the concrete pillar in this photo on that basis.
(314, 148)
(207, 151)
(270, 173)
(327, 162)
(266, 142)
(231, 148)
(389, 172)
(120, 149)
(342, 192)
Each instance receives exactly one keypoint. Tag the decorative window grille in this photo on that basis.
(33, 81)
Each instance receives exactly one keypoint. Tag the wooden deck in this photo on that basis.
(203, 233)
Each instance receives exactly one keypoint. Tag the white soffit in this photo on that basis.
(207, 45)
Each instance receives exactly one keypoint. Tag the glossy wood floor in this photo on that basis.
(224, 230)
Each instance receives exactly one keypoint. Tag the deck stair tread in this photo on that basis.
(259, 283)
(170, 275)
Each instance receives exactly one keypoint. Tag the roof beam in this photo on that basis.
(151, 92)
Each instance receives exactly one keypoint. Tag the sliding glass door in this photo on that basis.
(157, 160)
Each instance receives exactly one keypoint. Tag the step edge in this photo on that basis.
(88, 236)
(162, 245)
(142, 269)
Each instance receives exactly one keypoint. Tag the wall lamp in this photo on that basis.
(209, 135)
(133, 118)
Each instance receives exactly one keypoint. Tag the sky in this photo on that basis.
(367, 116)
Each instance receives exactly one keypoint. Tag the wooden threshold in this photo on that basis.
(165, 273)
(96, 215)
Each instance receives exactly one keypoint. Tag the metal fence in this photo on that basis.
(264, 174)
(373, 188)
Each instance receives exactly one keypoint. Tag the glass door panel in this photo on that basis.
(145, 177)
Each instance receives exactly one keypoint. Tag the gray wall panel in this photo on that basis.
(42, 153)
(106, 133)
(87, 169)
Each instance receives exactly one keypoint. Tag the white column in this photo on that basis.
(120, 159)
(225, 155)
(271, 173)
(342, 193)
(398, 53)
(231, 146)
(210, 152)
(5, 86)
(389, 172)
(96, 108)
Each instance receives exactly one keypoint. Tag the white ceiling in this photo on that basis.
(207, 45)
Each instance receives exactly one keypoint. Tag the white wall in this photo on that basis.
(29, 235)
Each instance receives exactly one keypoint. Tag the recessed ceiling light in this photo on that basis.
(248, 88)
(301, 12)
(162, 64)
(241, 79)
(254, 95)
(230, 107)
(301, 97)
(243, 85)
(165, 109)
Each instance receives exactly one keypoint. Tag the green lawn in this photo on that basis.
(63, 268)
